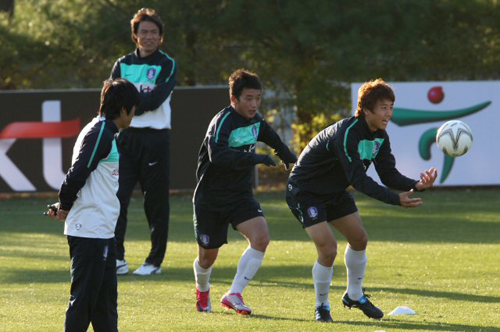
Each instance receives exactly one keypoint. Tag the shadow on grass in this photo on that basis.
(224, 275)
(395, 324)
(280, 318)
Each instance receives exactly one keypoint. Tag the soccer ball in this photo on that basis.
(454, 138)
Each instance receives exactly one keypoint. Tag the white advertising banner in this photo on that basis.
(422, 107)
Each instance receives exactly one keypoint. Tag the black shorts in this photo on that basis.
(311, 210)
(210, 226)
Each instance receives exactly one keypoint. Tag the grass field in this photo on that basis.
(442, 260)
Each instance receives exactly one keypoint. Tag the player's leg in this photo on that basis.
(322, 271)
(87, 269)
(256, 232)
(127, 181)
(312, 215)
(210, 230)
(202, 268)
(355, 260)
(105, 313)
(155, 184)
(248, 219)
(355, 254)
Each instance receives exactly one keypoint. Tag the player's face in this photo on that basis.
(148, 38)
(381, 115)
(248, 103)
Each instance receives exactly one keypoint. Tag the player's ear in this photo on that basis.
(233, 99)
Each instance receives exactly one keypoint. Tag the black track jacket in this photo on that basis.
(340, 155)
(227, 157)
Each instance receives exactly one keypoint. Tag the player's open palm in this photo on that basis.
(406, 201)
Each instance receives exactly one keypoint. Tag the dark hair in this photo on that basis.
(115, 95)
(371, 92)
(142, 15)
(243, 79)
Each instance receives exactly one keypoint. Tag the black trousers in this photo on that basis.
(94, 292)
(145, 157)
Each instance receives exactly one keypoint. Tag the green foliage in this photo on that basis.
(439, 259)
(311, 50)
(304, 132)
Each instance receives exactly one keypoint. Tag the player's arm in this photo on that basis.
(219, 151)
(96, 145)
(272, 139)
(165, 84)
(385, 165)
(346, 149)
(116, 71)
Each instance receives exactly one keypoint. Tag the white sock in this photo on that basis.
(202, 276)
(355, 261)
(249, 264)
(322, 277)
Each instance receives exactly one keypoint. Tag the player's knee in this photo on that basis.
(206, 261)
(360, 242)
(260, 242)
(206, 258)
(328, 253)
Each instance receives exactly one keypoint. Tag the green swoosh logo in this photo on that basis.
(405, 116)
(424, 149)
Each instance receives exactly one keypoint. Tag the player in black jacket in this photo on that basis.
(338, 157)
(145, 146)
(223, 194)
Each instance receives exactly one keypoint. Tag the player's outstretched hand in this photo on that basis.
(55, 212)
(287, 157)
(264, 159)
(406, 201)
(427, 178)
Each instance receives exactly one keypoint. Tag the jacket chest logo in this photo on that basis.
(151, 73)
(255, 132)
(368, 149)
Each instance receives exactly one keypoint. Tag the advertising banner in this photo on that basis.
(39, 128)
(422, 107)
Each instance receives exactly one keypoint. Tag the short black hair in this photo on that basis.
(115, 95)
(143, 15)
(243, 79)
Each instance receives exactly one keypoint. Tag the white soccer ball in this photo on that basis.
(454, 138)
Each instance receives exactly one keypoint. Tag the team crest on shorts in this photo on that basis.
(205, 239)
(312, 212)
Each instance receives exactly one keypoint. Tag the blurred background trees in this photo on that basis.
(306, 52)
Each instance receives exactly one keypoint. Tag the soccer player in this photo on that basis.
(90, 208)
(338, 157)
(223, 194)
(145, 146)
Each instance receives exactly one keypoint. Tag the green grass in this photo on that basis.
(442, 260)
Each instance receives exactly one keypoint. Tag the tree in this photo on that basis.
(307, 50)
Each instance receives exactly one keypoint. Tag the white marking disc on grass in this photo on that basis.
(402, 310)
